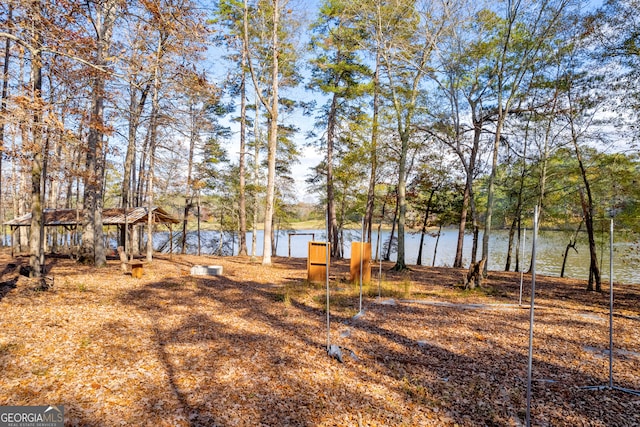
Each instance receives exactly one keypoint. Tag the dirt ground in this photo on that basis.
(248, 348)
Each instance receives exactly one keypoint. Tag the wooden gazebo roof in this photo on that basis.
(112, 216)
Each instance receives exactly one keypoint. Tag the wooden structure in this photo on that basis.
(360, 256)
(71, 219)
(137, 268)
(317, 262)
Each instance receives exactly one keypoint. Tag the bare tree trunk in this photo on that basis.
(221, 233)
(331, 205)
(469, 196)
(273, 139)
(153, 128)
(142, 172)
(475, 245)
(36, 253)
(21, 190)
(183, 241)
(423, 231)
(512, 232)
(129, 181)
(188, 201)
(272, 110)
(393, 229)
(242, 214)
(570, 245)
(491, 194)
(3, 111)
(93, 238)
(435, 247)
(457, 261)
(256, 171)
(402, 202)
(594, 269)
(519, 207)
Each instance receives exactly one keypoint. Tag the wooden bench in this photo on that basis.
(136, 268)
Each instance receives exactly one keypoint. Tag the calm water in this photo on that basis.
(550, 247)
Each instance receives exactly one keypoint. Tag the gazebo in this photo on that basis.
(70, 219)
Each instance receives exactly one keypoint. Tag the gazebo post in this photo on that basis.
(126, 233)
(13, 232)
(170, 240)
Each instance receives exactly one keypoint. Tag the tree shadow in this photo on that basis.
(471, 379)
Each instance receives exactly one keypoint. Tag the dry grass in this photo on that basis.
(248, 348)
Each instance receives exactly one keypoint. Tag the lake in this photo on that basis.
(550, 250)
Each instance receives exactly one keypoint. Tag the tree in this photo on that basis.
(339, 72)
(139, 86)
(230, 16)
(35, 147)
(432, 178)
(586, 195)
(464, 82)
(524, 34)
(102, 15)
(272, 109)
(612, 33)
(201, 98)
(276, 58)
(3, 111)
(407, 34)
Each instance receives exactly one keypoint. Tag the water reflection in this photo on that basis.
(550, 250)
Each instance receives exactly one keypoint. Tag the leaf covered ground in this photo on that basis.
(248, 348)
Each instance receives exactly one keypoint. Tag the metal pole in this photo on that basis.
(611, 304)
(379, 262)
(531, 312)
(524, 242)
(326, 266)
(361, 256)
(610, 386)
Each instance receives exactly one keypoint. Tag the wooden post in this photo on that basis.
(13, 232)
(170, 240)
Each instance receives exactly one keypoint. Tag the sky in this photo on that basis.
(309, 156)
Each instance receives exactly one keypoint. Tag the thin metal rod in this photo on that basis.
(326, 268)
(611, 304)
(531, 314)
(524, 242)
(611, 386)
(361, 256)
(379, 262)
